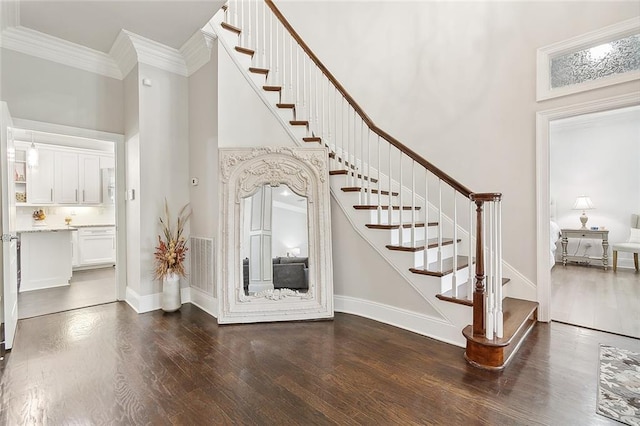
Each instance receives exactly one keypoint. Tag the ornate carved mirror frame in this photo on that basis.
(242, 172)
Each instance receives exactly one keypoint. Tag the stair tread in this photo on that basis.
(462, 294)
(373, 190)
(272, 88)
(431, 243)
(344, 172)
(432, 269)
(397, 225)
(245, 50)
(230, 27)
(257, 70)
(383, 207)
(312, 139)
(516, 313)
(290, 106)
(299, 122)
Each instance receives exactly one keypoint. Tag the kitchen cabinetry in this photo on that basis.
(40, 179)
(97, 246)
(78, 178)
(20, 176)
(64, 176)
(66, 181)
(90, 183)
(45, 259)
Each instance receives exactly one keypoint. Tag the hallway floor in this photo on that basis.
(591, 297)
(88, 288)
(109, 365)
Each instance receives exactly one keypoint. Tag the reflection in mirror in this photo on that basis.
(275, 240)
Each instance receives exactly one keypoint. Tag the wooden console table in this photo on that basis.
(586, 233)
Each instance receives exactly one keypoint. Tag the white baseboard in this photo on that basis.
(435, 328)
(204, 301)
(152, 302)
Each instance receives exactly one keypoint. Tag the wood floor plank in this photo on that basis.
(108, 365)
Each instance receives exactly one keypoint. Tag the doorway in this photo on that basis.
(563, 291)
(88, 221)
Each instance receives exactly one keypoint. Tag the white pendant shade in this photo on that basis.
(32, 156)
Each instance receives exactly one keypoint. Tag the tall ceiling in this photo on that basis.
(96, 24)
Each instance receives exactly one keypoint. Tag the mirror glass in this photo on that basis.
(274, 240)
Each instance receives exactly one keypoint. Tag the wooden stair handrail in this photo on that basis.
(372, 126)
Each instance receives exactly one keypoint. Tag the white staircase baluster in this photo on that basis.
(363, 195)
(369, 166)
(379, 184)
(264, 36)
(440, 267)
(499, 315)
(470, 281)
(389, 210)
(413, 206)
(400, 200)
(454, 276)
(426, 217)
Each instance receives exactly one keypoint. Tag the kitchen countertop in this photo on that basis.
(51, 228)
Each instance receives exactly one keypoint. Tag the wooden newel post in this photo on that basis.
(478, 294)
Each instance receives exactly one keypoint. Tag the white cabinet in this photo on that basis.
(90, 179)
(45, 259)
(97, 246)
(78, 178)
(66, 181)
(40, 179)
(75, 249)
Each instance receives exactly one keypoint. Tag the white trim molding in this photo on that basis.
(591, 39)
(197, 50)
(204, 301)
(543, 118)
(152, 302)
(44, 46)
(130, 48)
(433, 327)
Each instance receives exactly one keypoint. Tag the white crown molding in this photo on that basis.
(44, 46)
(9, 14)
(152, 53)
(124, 53)
(197, 50)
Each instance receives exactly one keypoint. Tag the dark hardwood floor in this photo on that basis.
(108, 365)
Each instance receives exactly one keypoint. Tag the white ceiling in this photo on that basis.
(96, 24)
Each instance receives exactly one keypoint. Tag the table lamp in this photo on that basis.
(583, 203)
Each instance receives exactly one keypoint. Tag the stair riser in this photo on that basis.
(371, 216)
(432, 232)
(446, 282)
(272, 97)
(286, 114)
(258, 79)
(409, 259)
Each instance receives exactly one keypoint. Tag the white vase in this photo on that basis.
(171, 293)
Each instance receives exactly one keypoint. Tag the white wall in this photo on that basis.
(132, 158)
(597, 155)
(203, 147)
(455, 81)
(164, 161)
(41, 90)
(243, 119)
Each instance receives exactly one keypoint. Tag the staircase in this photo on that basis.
(441, 237)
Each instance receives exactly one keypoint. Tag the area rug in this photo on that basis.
(619, 385)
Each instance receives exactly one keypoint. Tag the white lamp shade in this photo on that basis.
(32, 156)
(583, 202)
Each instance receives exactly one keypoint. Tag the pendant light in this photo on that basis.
(32, 154)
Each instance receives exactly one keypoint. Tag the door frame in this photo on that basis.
(543, 119)
(119, 155)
